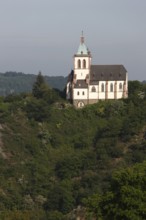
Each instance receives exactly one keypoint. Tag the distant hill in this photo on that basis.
(18, 82)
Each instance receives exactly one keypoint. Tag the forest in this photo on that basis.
(60, 163)
(18, 82)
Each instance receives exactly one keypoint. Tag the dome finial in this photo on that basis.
(82, 38)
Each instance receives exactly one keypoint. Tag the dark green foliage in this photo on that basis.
(137, 152)
(54, 157)
(55, 215)
(39, 88)
(69, 167)
(126, 198)
(42, 91)
(37, 109)
(60, 197)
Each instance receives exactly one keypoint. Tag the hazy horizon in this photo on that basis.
(42, 35)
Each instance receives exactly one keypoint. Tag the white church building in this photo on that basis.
(87, 83)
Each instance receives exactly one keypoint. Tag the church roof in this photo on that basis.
(107, 73)
(80, 84)
(82, 50)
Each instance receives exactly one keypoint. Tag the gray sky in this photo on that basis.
(45, 34)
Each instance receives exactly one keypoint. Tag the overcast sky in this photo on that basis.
(43, 35)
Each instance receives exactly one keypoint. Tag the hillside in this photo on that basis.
(54, 158)
(13, 82)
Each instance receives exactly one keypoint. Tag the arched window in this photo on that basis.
(93, 89)
(79, 64)
(78, 93)
(102, 87)
(120, 86)
(111, 87)
(84, 64)
(83, 93)
(80, 104)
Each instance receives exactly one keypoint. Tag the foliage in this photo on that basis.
(55, 158)
(17, 82)
(39, 87)
(126, 198)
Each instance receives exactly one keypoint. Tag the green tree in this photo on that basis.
(60, 197)
(37, 109)
(134, 87)
(126, 198)
(40, 88)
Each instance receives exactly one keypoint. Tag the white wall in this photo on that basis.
(81, 73)
(111, 95)
(93, 95)
(98, 94)
(80, 96)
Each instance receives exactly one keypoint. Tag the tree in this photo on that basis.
(40, 87)
(126, 198)
(134, 87)
(41, 90)
(60, 197)
(37, 109)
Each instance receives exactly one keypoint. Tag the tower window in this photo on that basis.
(79, 64)
(84, 63)
(102, 87)
(83, 93)
(78, 93)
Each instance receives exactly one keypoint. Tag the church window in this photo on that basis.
(78, 93)
(102, 87)
(120, 86)
(84, 64)
(111, 87)
(79, 64)
(83, 93)
(93, 89)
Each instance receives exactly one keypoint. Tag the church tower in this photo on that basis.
(82, 61)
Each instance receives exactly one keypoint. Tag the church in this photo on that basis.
(87, 83)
